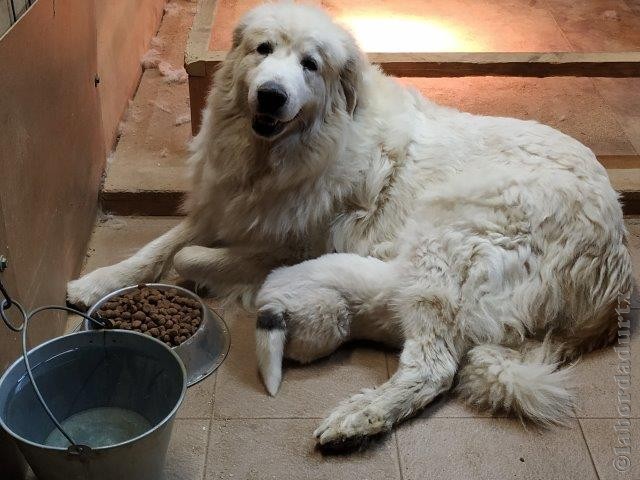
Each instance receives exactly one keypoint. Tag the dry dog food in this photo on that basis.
(163, 314)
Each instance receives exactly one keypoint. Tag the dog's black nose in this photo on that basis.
(271, 97)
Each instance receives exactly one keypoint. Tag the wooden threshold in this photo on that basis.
(458, 64)
(142, 202)
(623, 170)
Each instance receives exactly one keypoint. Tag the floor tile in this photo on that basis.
(307, 391)
(615, 92)
(187, 450)
(597, 26)
(572, 105)
(634, 5)
(198, 402)
(426, 25)
(598, 379)
(605, 435)
(283, 449)
(116, 238)
(487, 449)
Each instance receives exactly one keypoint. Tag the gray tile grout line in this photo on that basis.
(215, 395)
(206, 453)
(476, 417)
(605, 418)
(394, 433)
(398, 456)
(584, 438)
(210, 432)
(222, 419)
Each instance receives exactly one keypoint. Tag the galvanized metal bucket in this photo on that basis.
(102, 370)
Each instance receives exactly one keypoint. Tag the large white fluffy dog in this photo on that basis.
(491, 249)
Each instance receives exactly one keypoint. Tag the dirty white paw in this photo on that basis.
(87, 290)
(350, 425)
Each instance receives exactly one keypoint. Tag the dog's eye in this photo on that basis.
(309, 63)
(265, 48)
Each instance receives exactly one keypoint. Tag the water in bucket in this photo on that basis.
(100, 427)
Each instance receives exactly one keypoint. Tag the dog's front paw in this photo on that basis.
(85, 291)
(350, 427)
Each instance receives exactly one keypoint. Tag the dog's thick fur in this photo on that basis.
(492, 249)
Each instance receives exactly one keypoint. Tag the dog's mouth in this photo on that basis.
(267, 126)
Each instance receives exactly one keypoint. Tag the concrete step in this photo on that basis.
(169, 201)
(148, 175)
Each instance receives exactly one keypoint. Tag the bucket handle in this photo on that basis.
(74, 448)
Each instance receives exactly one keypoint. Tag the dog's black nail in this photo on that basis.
(354, 444)
(344, 446)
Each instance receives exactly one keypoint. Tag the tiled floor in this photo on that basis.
(228, 428)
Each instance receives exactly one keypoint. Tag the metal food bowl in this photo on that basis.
(204, 351)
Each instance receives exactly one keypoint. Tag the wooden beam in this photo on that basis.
(513, 64)
(620, 162)
(457, 64)
(143, 202)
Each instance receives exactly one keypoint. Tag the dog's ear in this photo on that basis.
(350, 80)
(238, 32)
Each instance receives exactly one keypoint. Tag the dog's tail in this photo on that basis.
(270, 340)
(528, 383)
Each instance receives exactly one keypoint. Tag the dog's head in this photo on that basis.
(292, 66)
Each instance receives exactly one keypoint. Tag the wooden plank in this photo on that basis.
(611, 162)
(147, 202)
(170, 203)
(198, 39)
(198, 90)
(458, 64)
(143, 202)
(515, 64)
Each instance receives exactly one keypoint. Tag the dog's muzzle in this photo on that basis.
(272, 98)
(267, 126)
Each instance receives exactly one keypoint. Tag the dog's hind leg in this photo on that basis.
(147, 265)
(308, 310)
(427, 368)
(426, 301)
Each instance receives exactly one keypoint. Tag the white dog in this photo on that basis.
(490, 248)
